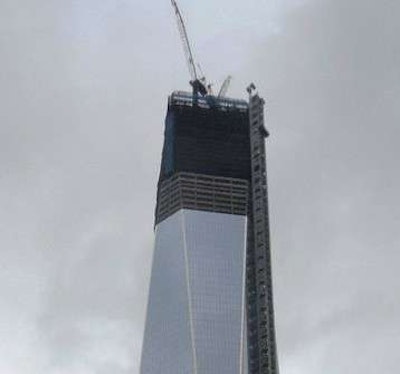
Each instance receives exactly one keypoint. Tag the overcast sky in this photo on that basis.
(83, 93)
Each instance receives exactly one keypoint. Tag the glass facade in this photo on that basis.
(195, 319)
(167, 345)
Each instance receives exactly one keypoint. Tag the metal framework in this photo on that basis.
(197, 84)
(201, 192)
(260, 309)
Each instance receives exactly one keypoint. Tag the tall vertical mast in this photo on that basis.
(261, 325)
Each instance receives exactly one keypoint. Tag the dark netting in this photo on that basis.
(206, 141)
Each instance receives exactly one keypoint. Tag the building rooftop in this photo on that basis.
(223, 103)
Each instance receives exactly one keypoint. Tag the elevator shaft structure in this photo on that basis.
(262, 355)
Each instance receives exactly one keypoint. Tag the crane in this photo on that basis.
(224, 87)
(198, 84)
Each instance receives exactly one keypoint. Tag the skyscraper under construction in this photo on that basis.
(210, 308)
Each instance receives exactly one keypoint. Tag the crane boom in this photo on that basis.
(225, 86)
(198, 86)
(185, 41)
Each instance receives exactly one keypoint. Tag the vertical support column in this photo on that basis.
(262, 350)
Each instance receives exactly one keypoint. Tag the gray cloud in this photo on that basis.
(83, 90)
